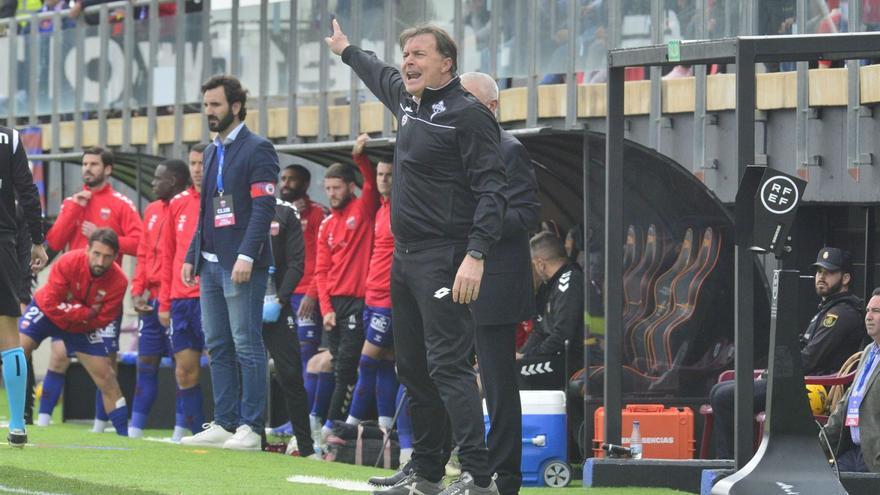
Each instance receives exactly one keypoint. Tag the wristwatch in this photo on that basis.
(473, 253)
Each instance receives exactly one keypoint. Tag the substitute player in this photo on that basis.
(179, 308)
(170, 178)
(16, 181)
(96, 205)
(341, 272)
(377, 380)
(82, 295)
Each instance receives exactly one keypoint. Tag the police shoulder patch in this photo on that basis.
(829, 320)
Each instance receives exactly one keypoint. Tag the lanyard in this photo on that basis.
(867, 370)
(220, 155)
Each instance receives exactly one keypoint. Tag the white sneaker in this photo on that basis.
(179, 432)
(213, 435)
(100, 426)
(292, 446)
(135, 432)
(244, 439)
(44, 419)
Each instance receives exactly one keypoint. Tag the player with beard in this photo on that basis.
(344, 243)
(833, 335)
(294, 185)
(181, 301)
(82, 295)
(170, 178)
(97, 205)
(231, 253)
(377, 380)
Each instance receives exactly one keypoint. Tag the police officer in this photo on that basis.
(833, 335)
(447, 207)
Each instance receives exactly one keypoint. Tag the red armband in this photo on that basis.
(259, 189)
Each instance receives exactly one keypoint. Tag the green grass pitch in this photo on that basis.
(66, 459)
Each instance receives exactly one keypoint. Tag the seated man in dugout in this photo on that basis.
(833, 335)
(541, 361)
(853, 429)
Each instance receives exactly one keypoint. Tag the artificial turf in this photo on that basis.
(68, 459)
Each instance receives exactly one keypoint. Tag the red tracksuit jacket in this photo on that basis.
(183, 218)
(310, 218)
(344, 243)
(148, 273)
(106, 208)
(71, 292)
(378, 291)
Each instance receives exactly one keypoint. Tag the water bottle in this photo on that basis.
(635, 441)
(271, 305)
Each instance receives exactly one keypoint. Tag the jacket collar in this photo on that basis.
(430, 95)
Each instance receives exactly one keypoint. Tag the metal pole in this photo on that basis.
(699, 143)
(103, 70)
(323, 82)
(128, 51)
(57, 76)
(13, 73)
(33, 69)
(571, 89)
(745, 264)
(588, 273)
(870, 222)
(179, 76)
(657, 23)
(614, 238)
(354, 114)
(235, 49)
(493, 40)
(78, 88)
(207, 55)
(803, 101)
(390, 13)
(153, 45)
(854, 156)
(264, 68)
(458, 32)
(292, 74)
(532, 102)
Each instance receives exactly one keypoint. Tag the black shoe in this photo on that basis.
(394, 479)
(413, 484)
(17, 439)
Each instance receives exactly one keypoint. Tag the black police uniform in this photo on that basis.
(280, 336)
(447, 198)
(542, 366)
(506, 299)
(16, 182)
(833, 335)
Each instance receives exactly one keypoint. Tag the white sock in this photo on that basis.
(44, 419)
(100, 426)
(179, 432)
(386, 422)
(352, 421)
(134, 432)
(405, 455)
(326, 431)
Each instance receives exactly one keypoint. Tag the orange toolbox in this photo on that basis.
(667, 432)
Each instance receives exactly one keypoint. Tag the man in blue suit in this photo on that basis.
(231, 252)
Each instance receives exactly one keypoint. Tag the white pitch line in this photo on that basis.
(354, 486)
(9, 489)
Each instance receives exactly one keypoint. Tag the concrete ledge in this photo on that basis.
(855, 483)
(684, 475)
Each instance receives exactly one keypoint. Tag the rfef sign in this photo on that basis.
(775, 204)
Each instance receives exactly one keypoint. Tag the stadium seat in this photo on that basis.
(637, 285)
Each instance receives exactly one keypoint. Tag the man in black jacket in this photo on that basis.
(279, 323)
(833, 335)
(541, 360)
(506, 299)
(447, 207)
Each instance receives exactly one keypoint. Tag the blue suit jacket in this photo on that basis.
(249, 159)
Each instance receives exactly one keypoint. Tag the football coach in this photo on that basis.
(447, 208)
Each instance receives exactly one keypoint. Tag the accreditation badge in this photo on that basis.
(224, 212)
